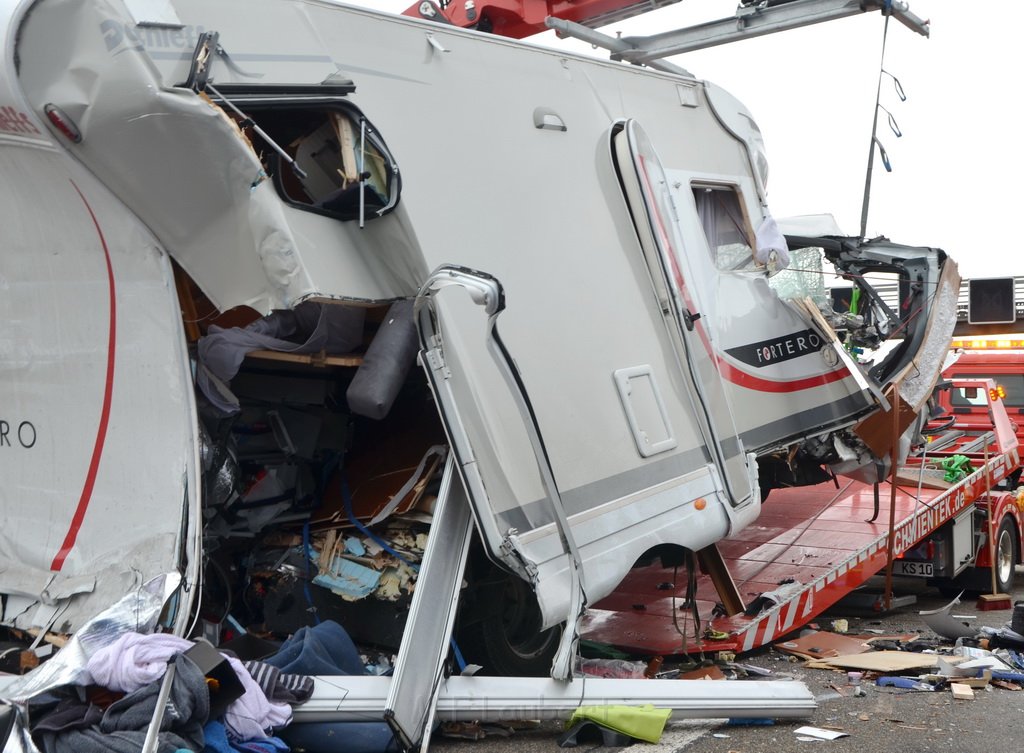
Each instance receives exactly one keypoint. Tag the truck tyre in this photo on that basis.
(507, 640)
(1005, 556)
(978, 580)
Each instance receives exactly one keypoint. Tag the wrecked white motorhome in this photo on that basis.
(290, 203)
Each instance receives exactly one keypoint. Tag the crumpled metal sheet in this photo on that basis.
(920, 377)
(20, 741)
(138, 131)
(943, 623)
(138, 611)
(187, 171)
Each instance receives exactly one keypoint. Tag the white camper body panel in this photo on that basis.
(505, 153)
(98, 443)
(582, 310)
(494, 192)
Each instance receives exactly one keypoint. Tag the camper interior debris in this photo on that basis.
(321, 452)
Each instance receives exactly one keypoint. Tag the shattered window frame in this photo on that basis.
(271, 113)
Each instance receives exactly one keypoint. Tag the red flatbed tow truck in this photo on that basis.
(814, 545)
(997, 358)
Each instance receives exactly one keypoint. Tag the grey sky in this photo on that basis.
(812, 92)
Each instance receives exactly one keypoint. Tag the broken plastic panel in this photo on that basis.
(137, 611)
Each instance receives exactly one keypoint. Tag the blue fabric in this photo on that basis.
(323, 649)
(350, 737)
(217, 741)
(264, 745)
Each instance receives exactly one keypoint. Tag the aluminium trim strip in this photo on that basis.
(490, 699)
(410, 704)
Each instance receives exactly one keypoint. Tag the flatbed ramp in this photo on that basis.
(810, 547)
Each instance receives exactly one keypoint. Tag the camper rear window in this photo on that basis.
(338, 153)
(725, 226)
(961, 397)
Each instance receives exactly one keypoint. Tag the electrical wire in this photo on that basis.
(690, 601)
(675, 611)
(307, 551)
(381, 542)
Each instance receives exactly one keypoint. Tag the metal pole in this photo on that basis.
(150, 745)
(362, 173)
(488, 699)
(991, 523)
(874, 138)
(894, 457)
(263, 134)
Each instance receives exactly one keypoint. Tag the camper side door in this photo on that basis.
(654, 215)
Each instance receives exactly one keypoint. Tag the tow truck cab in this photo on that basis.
(976, 426)
(1001, 360)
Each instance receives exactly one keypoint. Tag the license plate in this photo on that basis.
(910, 567)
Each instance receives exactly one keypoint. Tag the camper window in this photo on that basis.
(339, 155)
(968, 396)
(725, 225)
(1012, 384)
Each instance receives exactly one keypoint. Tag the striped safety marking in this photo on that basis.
(780, 619)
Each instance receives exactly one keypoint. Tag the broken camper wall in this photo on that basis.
(574, 297)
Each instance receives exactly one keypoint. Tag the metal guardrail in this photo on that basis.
(889, 293)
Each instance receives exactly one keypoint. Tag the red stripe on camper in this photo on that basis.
(108, 389)
(745, 379)
(727, 370)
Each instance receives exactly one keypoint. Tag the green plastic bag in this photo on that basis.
(957, 467)
(642, 722)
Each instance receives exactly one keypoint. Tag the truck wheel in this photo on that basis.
(1006, 556)
(508, 640)
(978, 580)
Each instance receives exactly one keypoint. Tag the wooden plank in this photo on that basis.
(320, 359)
(189, 314)
(713, 564)
(929, 477)
(876, 431)
(962, 692)
(703, 673)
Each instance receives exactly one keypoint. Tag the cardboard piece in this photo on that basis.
(821, 645)
(977, 682)
(703, 673)
(1006, 685)
(881, 661)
